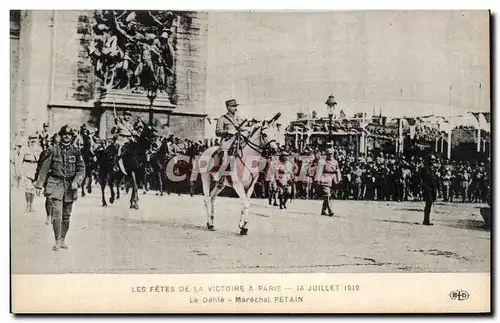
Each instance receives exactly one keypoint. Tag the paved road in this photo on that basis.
(168, 235)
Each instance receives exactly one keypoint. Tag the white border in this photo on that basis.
(185, 4)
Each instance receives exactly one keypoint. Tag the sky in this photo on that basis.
(400, 63)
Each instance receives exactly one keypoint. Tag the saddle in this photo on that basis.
(233, 150)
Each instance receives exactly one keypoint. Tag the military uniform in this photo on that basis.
(61, 169)
(125, 132)
(429, 188)
(226, 128)
(465, 180)
(329, 175)
(44, 137)
(283, 177)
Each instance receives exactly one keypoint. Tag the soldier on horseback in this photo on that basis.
(226, 129)
(125, 132)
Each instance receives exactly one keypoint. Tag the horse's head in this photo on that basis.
(267, 133)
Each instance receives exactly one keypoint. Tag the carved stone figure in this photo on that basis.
(133, 49)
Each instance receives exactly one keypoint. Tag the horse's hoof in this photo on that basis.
(89, 191)
(243, 231)
(104, 204)
(83, 194)
(111, 200)
(210, 227)
(136, 207)
(131, 206)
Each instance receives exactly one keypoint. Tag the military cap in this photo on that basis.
(45, 124)
(331, 100)
(231, 103)
(329, 151)
(126, 113)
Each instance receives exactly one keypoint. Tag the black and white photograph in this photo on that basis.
(161, 142)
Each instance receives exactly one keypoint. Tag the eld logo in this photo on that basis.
(459, 295)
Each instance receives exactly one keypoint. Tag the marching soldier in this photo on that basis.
(48, 201)
(429, 186)
(465, 181)
(43, 137)
(28, 159)
(226, 127)
(328, 174)
(283, 178)
(61, 173)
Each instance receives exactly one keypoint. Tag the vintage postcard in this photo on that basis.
(167, 161)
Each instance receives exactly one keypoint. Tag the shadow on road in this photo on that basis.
(410, 209)
(175, 225)
(476, 225)
(397, 221)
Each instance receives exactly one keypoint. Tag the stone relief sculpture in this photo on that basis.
(134, 49)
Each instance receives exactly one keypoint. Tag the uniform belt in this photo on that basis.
(62, 177)
(29, 161)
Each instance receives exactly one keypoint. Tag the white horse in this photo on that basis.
(243, 170)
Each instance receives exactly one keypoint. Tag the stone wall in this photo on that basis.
(191, 60)
(14, 68)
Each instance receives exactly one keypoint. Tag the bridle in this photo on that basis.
(259, 148)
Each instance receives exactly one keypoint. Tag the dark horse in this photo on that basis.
(89, 159)
(158, 163)
(107, 175)
(134, 161)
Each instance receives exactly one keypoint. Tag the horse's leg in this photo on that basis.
(83, 184)
(206, 181)
(102, 182)
(160, 181)
(213, 195)
(117, 180)
(89, 181)
(111, 189)
(135, 189)
(240, 190)
(245, 196)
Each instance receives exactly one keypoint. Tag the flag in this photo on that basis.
(483, 124)
(487, 116)
(411, 121)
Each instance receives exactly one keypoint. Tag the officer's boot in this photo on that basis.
(65, 228)
(117, 158)
(285, 199)
(329, 209)
(427, 213)
(324, 207)
(57, 226)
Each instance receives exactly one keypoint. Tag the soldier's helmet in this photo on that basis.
(66, 130)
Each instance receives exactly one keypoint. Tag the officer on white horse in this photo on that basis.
(226, 129)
